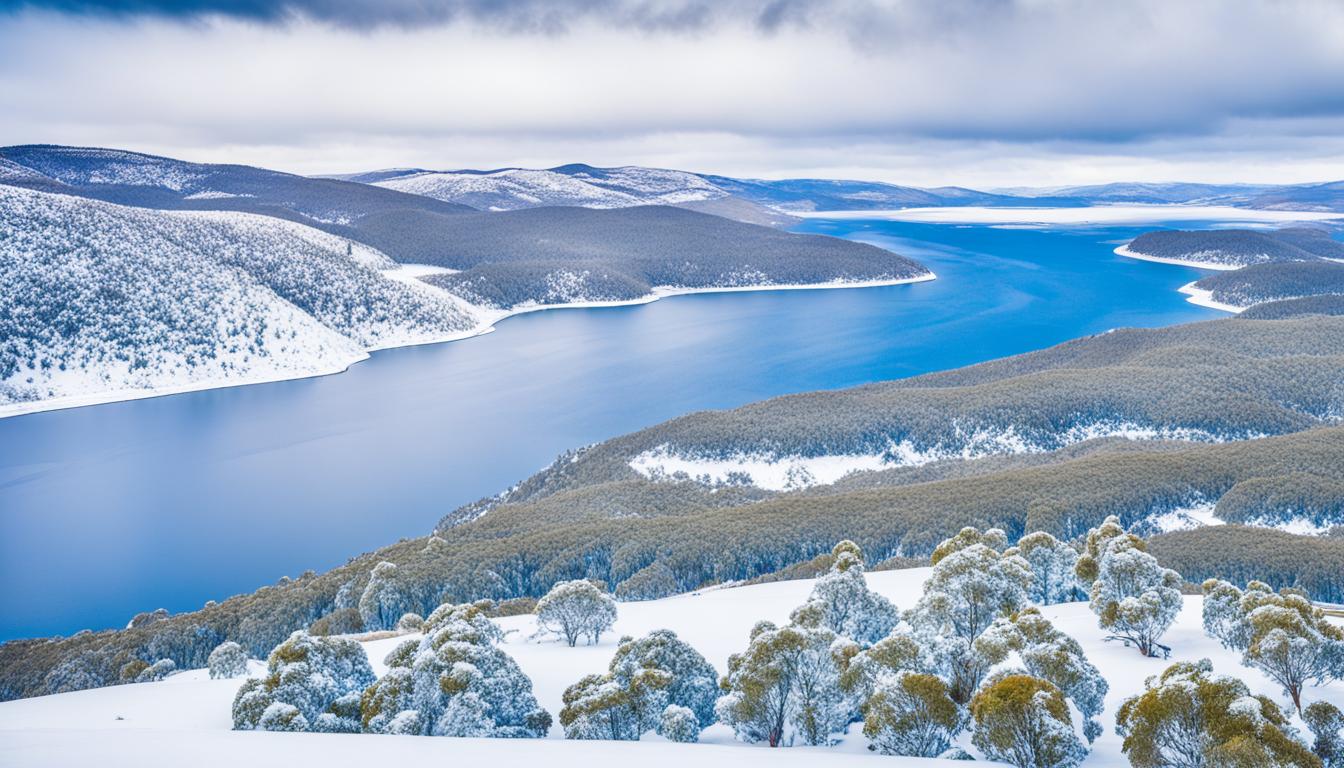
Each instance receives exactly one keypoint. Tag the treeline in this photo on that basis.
(1221, 379)
(1274, 282)
(1241, 554)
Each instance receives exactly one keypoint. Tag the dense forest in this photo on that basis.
(1239, 247)
(646, 538)
(1275, 282)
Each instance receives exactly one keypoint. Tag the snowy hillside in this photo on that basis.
(578, 185)
(152, 724)
(102, 302)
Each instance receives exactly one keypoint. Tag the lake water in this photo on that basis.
(113, 509)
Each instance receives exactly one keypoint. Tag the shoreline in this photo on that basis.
(489, 319)
(1124, 251)
(1202, 298)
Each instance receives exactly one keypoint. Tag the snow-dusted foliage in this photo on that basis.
(454, 681)
(319, 677)
(100, 297)
(1024, 721)
(1052, 568)
(1190, 717)
(1281, 634)
(646, 677)
(1326, 724)
(971, 586)
(786, 686)
(156, 671)
(841, 601)
(576, 609)
(380, 603)
(679, 724)
(228, 660)
(912, 714)
(1133, 596)
(1058, 659)
(411, 622)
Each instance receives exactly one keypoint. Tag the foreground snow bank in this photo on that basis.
(185, 719)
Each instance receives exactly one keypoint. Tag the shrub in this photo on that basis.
(1023, 721)
(228, 660)
(310, 674)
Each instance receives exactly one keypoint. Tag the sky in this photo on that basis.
(982, 93)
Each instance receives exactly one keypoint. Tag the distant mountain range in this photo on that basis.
(758, 200)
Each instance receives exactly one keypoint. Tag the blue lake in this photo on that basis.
(113, 509)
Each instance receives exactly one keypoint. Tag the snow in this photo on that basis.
(515, 188)
(1099, 214)
(1196, 263)
(187, 715)
(1185, 518)
(1203, 298)
(779, 473)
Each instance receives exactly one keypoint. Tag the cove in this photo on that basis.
(113, 509)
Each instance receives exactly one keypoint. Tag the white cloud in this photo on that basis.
(1033, 92)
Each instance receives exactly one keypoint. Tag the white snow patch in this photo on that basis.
(1203, 298)
(779, 473)
(1196, 515)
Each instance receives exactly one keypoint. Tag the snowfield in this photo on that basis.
(515, 188)
(186, 718)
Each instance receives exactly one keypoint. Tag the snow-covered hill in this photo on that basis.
(104, 302)
(579, 185)
(187, 716)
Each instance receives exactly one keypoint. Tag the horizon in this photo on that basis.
(1010, 189)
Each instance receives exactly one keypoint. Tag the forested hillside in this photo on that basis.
(1231, 248)
(1275, 282)
(102, 298)
(1209, 382)
(556, 255)
(646, 538)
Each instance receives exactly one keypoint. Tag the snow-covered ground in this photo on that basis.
(1203, 298)
(185, 719)
(1097, 214)
(1197, 264)
(514, 188)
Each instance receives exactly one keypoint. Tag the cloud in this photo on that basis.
(839, 83)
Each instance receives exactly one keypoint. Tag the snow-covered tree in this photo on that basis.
(1058, 659)
(454, 681)
(576, 609)
(1283, 635)
(1133, 596)
(894, 654)
(912, 714)
(786, 686)
(1188, 718)
(1326, 723)
(970, 587)
(679, 724)
(320, 677)
(410, 622)
(380, 604)
(228, 660)
(1024, 721)
(156, 671)
(645, 677)
(841, 601)
(1052, 565)
(693, 682)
